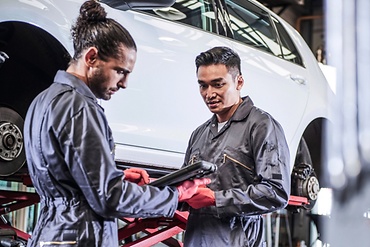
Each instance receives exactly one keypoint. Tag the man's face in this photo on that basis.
(220, 90)
(107, 77)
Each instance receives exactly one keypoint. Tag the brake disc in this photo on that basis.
(305, 183)
(12, 155)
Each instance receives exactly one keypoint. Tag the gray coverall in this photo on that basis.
(253, 177)
(69, 154)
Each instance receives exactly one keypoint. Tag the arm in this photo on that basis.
(255, 176)
(270, 188)
(88, 156)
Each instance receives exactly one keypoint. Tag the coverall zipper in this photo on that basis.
(193, 158)
(235, 161)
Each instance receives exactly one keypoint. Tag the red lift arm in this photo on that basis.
(155, 230)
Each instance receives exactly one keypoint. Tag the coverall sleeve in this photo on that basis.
(271, 187)
(91, 163)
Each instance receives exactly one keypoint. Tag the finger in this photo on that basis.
(202, 181)
(187, 183)
(144, 174)
(140, 171)
(141, 182)
(134, 176)
(201, 190)
(145, 179)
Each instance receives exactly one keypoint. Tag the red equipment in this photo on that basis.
(155, 230)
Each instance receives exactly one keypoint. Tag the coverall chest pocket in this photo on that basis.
(236, 169)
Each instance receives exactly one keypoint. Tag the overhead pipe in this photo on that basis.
(305, 18)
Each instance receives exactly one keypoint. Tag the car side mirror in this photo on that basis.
(138, 4)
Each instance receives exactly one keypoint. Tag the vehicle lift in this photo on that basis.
(155, 230)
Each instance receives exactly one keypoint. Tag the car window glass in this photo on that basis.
(222, 20)
(249, 24)
(289, 50)
(197, 13)
(252, 26)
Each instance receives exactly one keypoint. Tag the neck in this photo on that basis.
(75, 70)
(230, 112)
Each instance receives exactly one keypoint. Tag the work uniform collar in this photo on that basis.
(243, 109)
(241, 113)
(66, 78)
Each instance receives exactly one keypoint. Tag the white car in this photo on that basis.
(153, 118)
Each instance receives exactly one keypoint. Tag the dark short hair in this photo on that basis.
(220, 55)
(94, 29)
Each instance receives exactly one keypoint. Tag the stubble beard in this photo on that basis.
(96, 82)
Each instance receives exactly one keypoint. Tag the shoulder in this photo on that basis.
(264, 124)
(64, 98)
(252, 113)
(259, 118)
(202, 127)
(61, 103)
(259, 114)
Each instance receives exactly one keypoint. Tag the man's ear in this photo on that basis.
(91, 56)
(239, 82)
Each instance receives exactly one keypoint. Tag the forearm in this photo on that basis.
(257, 199)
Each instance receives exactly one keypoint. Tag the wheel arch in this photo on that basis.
(32, 58)
(314, 137)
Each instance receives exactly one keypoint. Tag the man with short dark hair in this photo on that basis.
(248, 145)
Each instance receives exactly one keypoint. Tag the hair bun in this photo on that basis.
(92, 11)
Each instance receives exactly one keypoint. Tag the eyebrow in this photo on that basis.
(212, 81)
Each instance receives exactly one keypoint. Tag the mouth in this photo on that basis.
(112, 91)
(213, 104)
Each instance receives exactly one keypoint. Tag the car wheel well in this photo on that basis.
(314, 137)
(34, 57)
(30, 58)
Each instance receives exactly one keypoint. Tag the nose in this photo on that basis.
(210, 93)
(122, 83)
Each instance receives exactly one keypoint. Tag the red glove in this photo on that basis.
(188, 188)
(204, 197)
(136, 175)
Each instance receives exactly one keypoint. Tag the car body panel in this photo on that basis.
(153, 118)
